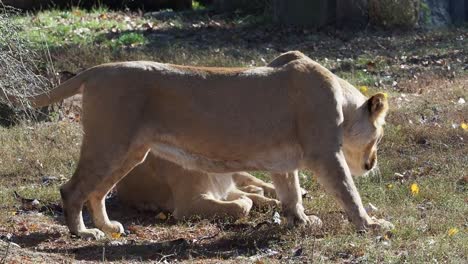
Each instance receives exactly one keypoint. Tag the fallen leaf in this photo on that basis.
(23, 228)
(453, 231)
(161, 216)
(116, 235)
(297, 251)
(116, 243)
(276, 218)
(363, 89)
(464, 126)
(77, 12)
(370, 66)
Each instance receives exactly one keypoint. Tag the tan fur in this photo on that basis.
(158, 184)
(277, 119)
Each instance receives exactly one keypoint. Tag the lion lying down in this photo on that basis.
(293, 114)
(158, 184)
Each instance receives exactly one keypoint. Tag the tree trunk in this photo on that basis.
(458, 9)
(352, 13)
(315, 13)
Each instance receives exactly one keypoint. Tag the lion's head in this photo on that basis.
(364, 133)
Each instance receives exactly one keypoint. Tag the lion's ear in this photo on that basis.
(378, 107)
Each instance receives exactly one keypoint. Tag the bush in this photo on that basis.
(394, 13)
(20, 67)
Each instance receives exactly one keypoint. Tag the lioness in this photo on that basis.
(158, 184)
(221, 120)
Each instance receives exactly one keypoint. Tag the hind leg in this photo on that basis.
(252, 189)
(207, 206)
(96, 174)
(74, 195)
(257, 199)
(250, 183)
(96, 201)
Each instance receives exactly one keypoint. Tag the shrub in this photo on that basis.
(20, 67)
(394, 13)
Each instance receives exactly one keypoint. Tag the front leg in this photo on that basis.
(333, 173)
(289, 193)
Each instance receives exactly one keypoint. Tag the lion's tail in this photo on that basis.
(69, 88)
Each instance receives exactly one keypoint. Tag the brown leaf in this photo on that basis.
(370, 66)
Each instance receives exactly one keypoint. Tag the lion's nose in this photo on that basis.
(370, 164)
(367, 166)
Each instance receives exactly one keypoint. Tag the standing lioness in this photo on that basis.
(219, 120)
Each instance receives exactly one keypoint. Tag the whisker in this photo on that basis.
(376, 172)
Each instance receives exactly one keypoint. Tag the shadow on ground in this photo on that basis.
(223, 247)
(230, 239)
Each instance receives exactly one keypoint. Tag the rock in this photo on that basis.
(440, 13)
(276, 218)
(117, 243)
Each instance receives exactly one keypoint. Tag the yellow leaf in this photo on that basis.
(13, 213)
(464, 126)
(414, 189)
(389, 186)
(385, 95)
(452, 231)
(161, 216)
(116, 235)
(76, 12)
(363, 89)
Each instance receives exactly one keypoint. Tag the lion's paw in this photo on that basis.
(297, 216)
(381, 224)
(315, 222)
(92, 233)
(245, 204)
(113, 228)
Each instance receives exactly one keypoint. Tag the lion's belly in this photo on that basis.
(279, 159)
